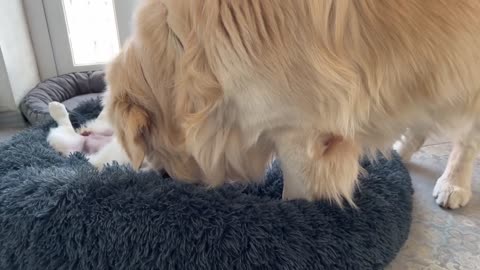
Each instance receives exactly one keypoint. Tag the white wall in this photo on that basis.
(42, 45)
(21, 73)
(7, 102)
(124, 12)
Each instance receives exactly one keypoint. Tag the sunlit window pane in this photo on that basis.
(92, 30)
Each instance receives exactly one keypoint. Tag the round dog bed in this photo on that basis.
(70, 89)
(61, 213)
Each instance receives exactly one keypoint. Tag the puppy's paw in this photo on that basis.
(450, 195)
(89, 129)
(84, 131)
(145, 169)
(97, 162)
(57, 110)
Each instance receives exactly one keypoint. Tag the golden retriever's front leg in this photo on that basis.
(318, 166)
(454, 188)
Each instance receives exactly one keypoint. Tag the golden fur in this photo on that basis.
(210, 90)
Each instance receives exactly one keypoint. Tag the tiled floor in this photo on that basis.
(439, 239)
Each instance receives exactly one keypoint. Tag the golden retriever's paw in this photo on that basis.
(449, 195)
(57, 111)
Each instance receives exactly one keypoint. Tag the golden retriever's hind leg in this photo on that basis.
(319, 167)
(409, 143)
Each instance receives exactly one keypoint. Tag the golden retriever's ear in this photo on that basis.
(133, 139)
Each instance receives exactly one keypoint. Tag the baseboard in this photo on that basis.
(12, 119)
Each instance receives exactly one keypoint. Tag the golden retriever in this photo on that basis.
(210, 90)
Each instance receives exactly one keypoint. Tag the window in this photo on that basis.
(92, 31)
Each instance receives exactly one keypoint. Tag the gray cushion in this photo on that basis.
(73, 103)
(60, 213)
(70, 89)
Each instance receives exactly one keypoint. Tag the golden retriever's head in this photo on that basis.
(167, 105)
(141, 101)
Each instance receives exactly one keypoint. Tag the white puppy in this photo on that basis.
(95, 139)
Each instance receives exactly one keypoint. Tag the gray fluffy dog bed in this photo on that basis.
(60, 213)
(71, 89)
